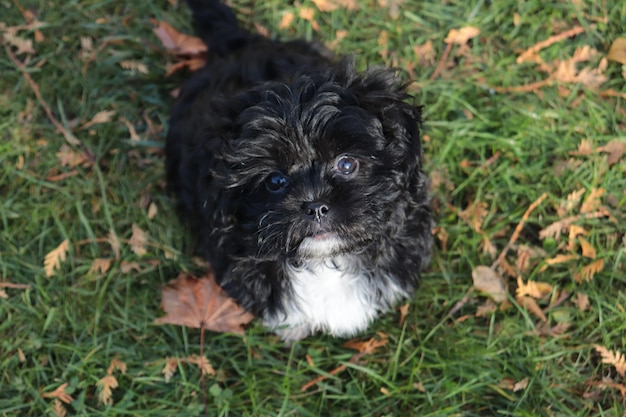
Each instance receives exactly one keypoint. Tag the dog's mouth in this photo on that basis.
(321, 244)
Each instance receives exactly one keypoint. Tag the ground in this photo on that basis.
(523, 148)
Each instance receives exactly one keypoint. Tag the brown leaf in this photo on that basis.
(475, 214)
(70, 158)
(367, 347)
(171, 364)
(615, 149)
(582, 301)
(585, 148)
(106, 385)
(54, 258)
(103, 116)
(60, 394)
(286, 20)
(611, 357)
(425, 54)
(588, 250)
(488, 281)
(116, 365)
(531, 305)
(462, 36)
(529, 54)
(588, 272)
(558, 259)
(58, 409)
(404, 310)
(138, 241)
(177, 42)
(617, 51)
(100, 265)
(201, 303)
(202, 363)
(330, 5)
(21, 45)
(534, 289)
(592, 202)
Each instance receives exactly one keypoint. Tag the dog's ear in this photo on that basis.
(380, 92)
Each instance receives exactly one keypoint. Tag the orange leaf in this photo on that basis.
(201, 303)
(176, 42)
(590, 270)
(592, 202)
(588, 250)
(366, 347)
(615, 149)
(106, 386)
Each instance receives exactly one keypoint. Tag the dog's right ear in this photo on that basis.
(380, 92)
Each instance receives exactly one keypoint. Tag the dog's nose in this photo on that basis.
(316, 210)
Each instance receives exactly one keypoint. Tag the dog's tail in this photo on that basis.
(216, 24)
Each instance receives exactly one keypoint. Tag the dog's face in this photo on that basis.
(321, 168)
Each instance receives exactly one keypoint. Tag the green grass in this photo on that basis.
(71, 325)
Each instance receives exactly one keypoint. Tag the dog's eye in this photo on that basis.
(276, 182)
(347, 165)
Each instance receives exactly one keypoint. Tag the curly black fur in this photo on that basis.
(292, 167)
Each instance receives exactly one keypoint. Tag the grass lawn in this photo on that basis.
(499, 133)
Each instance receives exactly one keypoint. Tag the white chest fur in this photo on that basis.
(327, 296)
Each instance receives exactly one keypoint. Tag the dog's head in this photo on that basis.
(321, 167)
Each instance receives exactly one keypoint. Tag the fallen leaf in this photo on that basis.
(134, 66)
(106, 385)
(103, 116)
(404, 310)
(521, 385)
(615, 149)
(114, 242)
(475, 214)
(177, 42)
(617, 51)
(201, 303)
(308, 14)
(116, 365)
(54, 258)
(582, 301)
(558, 259)
(202, 363)
(585, 148)
(530, 53)
(592, 202)
(131, 129)
(286, 20)
(366, 347)
(588, 250)
(531, 305)
(613, 357)
(171, 364)
(588, 272)
(488, 281)
(138, 241)
(425, 54)
(70, 158)
(100, 265)
(21, 45)
(574, 232)
(152, 211)
(58, 409)
(60, 394)
(534, 289)
(462, 36)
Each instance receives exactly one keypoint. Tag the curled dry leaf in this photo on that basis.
(201, 303)
(613, 357)
(138, 241)
(60, 394)
(488, 281)
(534, 289)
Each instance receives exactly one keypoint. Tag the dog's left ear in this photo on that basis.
(380, 92)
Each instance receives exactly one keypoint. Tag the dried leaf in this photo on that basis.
(70, 158)
(585, 148)
(171, 364)
(131, 129)
(58, 409)
(462, 36)
(201, 303)
(475, 214)
(425, 54)
(134, 66)
(574, 232)
(531, 305)
(116, 365)
(617, 51)
(330, 5)
(404, 310)
(152, 211)
(558, 259)
(530, 53)
(613, 357)
(103, 116)
(366, 347)
(106, 386)
(582, 301)
(588, 250)
(138, 241)
(202, 363)
(54, 258)
(21, 45)
(534, 289)
(308, 14)
(100, 265)
(588, 272)
(60, 394)
(521, 385)
(615, 149)
(488, 281)
(592, 202)
(286, 20)
(113, 240)
(177, 42)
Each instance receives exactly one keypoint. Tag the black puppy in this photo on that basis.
(301, 177)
